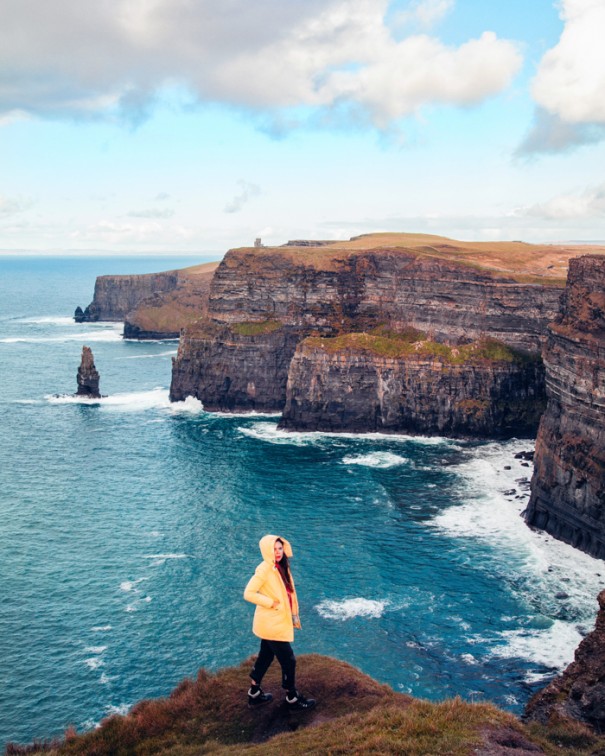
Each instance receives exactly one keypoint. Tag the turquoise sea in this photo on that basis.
(129, 527)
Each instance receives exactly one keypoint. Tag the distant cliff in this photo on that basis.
(152, 305)
(116, 296)
(406, 383)
(165, 314)
(568, 486)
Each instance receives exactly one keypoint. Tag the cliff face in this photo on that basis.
(234, 367)
(164, 314)
(335, 290)
(579, 693)
(116, 296)
(568, 486)
(353, 389)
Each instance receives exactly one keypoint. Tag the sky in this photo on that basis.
(177, 126)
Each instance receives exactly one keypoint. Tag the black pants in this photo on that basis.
(285, 656)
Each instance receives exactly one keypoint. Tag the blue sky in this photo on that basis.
(159, 126)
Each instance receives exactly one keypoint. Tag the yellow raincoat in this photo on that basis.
(267, 586)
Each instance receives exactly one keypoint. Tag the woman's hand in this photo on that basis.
(275, 605)
(296, 621)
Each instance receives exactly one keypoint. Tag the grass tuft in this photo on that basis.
(411, 343)
(253, 328)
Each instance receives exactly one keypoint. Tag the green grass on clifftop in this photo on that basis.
(384, 342)
(354, 715)
(253, 328)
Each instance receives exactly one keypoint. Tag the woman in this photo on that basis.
(272, 590)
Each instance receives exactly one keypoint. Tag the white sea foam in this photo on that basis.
(101, 628)
(48, 320)
(271, 434)
(129, 585)
(105, 679)
(135, 401)
(552, 647)
(380, 460)
(121, 709)
(349, 608)
(94, 662)
(538, 566)
(111, 333)
(95, 649)
(189, 405)
(171, 353)
(159, 559)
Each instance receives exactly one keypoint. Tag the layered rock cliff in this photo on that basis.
(234, 367)
(154, 305)
(335, 289)
(402, 383)
(116, 296)
(454, 292)
(579, 693)
(164, 314)
(568, 485)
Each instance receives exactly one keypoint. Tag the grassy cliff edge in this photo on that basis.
(355, 714)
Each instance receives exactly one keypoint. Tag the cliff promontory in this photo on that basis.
(354, 715)
(568, 485)
(152, 305)
(265, 301)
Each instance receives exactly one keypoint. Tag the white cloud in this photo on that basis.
(111, 58)
(419, 69)
(13, 205)
(570, 81)
(246, 193)
(153, 212)
(587, 204)
(425, 13)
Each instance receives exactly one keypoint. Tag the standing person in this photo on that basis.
(272, 589)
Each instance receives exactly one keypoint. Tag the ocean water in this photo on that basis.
(129, 527)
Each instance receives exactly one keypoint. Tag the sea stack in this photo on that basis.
(88, 376)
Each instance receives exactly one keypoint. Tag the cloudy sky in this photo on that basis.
(195, 125)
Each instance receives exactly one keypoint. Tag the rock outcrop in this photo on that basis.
(116, 296)
(154, 305)
(88, 376)
(568, 485)
(579, 693)
(234, 367)
(164, 314)
(361, 382)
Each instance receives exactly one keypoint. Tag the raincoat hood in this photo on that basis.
(267, 543)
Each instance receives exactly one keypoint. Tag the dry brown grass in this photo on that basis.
(355, 714)
(527, 263)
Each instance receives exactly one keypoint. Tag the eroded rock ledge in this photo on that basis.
(406, 383)
(568, 486)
